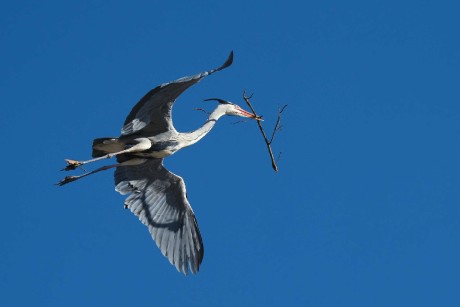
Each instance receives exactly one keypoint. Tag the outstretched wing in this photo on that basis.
(158, 198)
(152, 114)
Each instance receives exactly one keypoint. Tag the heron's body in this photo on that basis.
(159, 146)
(157, 196)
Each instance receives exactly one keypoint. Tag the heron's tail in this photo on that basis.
(103, 146)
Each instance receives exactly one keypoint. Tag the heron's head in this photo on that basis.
(232, 109)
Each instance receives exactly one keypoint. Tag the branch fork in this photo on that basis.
(277, 128)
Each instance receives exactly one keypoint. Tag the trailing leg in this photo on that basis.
(139, 145)
(68, 179)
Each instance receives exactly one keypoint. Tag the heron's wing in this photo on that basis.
(158, 198)
(152, 114)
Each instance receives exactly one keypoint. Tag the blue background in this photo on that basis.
(365, 208)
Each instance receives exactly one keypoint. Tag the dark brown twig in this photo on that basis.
(277, 128)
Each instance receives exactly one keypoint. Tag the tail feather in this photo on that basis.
(103, 146)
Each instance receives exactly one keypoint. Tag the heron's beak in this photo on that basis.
(245, 113)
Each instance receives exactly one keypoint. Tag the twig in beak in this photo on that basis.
(277, 128)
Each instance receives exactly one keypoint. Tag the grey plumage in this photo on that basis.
(154, 194)
(152, 113)
(158, 198)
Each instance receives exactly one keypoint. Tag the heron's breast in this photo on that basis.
(160, 149)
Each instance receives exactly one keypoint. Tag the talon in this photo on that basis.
(71, 165)
(67, 180)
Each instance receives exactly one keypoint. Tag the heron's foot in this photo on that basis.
(71, 165)
(67, 180)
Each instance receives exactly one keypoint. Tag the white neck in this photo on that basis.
(191, 138)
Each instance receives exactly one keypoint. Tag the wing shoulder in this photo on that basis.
(153, 111)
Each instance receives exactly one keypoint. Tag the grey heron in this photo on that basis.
(157, 196)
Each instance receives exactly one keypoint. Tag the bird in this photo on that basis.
(155, 195)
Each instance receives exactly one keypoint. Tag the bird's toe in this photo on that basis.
(66, 180)
(71, 165)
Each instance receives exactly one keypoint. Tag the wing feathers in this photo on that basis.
(158, 199)
(152, 114)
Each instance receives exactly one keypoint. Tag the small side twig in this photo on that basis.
(277, 125)
(202, 110)
(279, 156)
(239, 122)
(276, 129)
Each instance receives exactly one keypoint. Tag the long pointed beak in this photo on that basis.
(249, 114)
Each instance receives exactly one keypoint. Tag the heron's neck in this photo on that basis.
(191, 138)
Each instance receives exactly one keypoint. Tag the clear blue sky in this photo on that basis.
(365, 208)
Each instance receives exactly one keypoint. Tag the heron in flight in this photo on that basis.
(157, 196)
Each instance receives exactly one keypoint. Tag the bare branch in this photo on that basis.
(277, 128)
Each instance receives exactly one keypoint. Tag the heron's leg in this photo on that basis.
(141, 145)
(68, 179)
